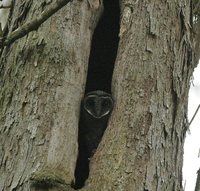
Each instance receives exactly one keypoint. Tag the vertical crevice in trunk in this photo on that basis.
(100, 69)
(104, 49)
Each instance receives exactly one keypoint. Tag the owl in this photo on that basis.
(95, 111)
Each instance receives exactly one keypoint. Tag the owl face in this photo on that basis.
(98, 104)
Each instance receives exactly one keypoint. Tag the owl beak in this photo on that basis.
(98, 114)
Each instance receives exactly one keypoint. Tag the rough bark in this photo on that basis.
(42, 82)
(197, 187)
(143, 146)
(42, 78)
(196, 29)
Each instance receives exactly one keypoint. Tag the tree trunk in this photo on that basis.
(43, 77)
(197, 187)
(42, 82)
(143, 146)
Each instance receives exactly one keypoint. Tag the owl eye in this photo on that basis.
(106, 103)
(90, 103)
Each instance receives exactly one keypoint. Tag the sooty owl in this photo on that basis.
(95, 110)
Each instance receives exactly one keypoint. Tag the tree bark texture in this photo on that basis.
(42, 82)
(143, 146)
(197, 187)
(42, 78)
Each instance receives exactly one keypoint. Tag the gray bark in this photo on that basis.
(143, 145)
(197, 187)
(42, 78)
(42, 82)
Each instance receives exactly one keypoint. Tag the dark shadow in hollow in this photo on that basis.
(104, 49)
(100, 69)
